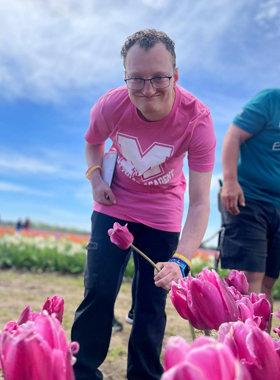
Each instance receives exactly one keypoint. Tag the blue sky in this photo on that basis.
(58, 57)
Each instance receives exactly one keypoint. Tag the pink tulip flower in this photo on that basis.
(276, 343)
(175, 352)
(238, 280)
(37, 350)
(262, 308)
(53, 305)
(246, 311)
(208, 301)
(205, 359)
(123, 239)
(120, 236)
(181, 299)
(255, 307)
(254, 347)
(235, 293)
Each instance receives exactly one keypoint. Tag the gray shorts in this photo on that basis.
(250, 241)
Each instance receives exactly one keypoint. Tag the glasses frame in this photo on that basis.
(150, 80)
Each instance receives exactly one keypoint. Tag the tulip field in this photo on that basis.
(39, 251)
(41, 286)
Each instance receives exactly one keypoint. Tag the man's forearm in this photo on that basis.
(194, 230)
(230, 154)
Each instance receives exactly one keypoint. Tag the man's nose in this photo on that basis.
(148, 89)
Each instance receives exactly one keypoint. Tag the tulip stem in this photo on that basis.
(145, 257)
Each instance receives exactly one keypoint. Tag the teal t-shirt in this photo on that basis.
(259, 158)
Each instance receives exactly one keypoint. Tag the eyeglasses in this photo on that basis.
(156, 82)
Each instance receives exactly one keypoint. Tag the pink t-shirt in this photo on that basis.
(149, 183)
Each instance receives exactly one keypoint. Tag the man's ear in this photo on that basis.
(176, 76)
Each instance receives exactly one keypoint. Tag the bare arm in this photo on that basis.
(232, 193)
(194, 228)
(100, 190)
(198, 213)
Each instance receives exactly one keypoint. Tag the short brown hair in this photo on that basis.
(147, 39)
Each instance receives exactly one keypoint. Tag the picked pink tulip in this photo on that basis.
(254, 347)
(123, 238)
(37, 350)
(205, 359)
(208, 302)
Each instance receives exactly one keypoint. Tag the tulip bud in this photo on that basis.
(120, 236)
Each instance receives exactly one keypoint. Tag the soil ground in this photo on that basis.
(19, 289)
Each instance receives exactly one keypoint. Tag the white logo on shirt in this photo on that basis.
(147, 163)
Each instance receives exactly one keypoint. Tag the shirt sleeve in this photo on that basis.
(99, 126)
(254, 115)
(201, 152)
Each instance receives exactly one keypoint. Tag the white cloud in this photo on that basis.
(10, 187)
(19, 163)
(268, 11)
(52, 49)
(52, 164)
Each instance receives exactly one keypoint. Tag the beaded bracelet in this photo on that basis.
(91, 169)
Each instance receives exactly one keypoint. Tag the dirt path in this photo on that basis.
(18, 290)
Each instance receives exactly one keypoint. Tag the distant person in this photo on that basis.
(26, 225)
(18, 225)
(152, 123)
(251, 192)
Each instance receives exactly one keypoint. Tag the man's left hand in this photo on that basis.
(169, 272)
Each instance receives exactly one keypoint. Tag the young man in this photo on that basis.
(251, 169)
(152, 123)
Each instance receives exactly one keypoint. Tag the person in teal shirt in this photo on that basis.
(250, 194)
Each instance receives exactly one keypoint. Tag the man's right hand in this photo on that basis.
(231, 196)
(101, 192)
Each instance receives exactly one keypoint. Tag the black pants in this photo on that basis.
(92, 326)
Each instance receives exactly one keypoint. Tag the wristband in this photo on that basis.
(183, 258)
(185, 269)
(91, 169)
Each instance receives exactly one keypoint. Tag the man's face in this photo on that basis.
(153, 103)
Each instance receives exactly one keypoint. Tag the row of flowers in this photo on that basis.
(42, 251)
